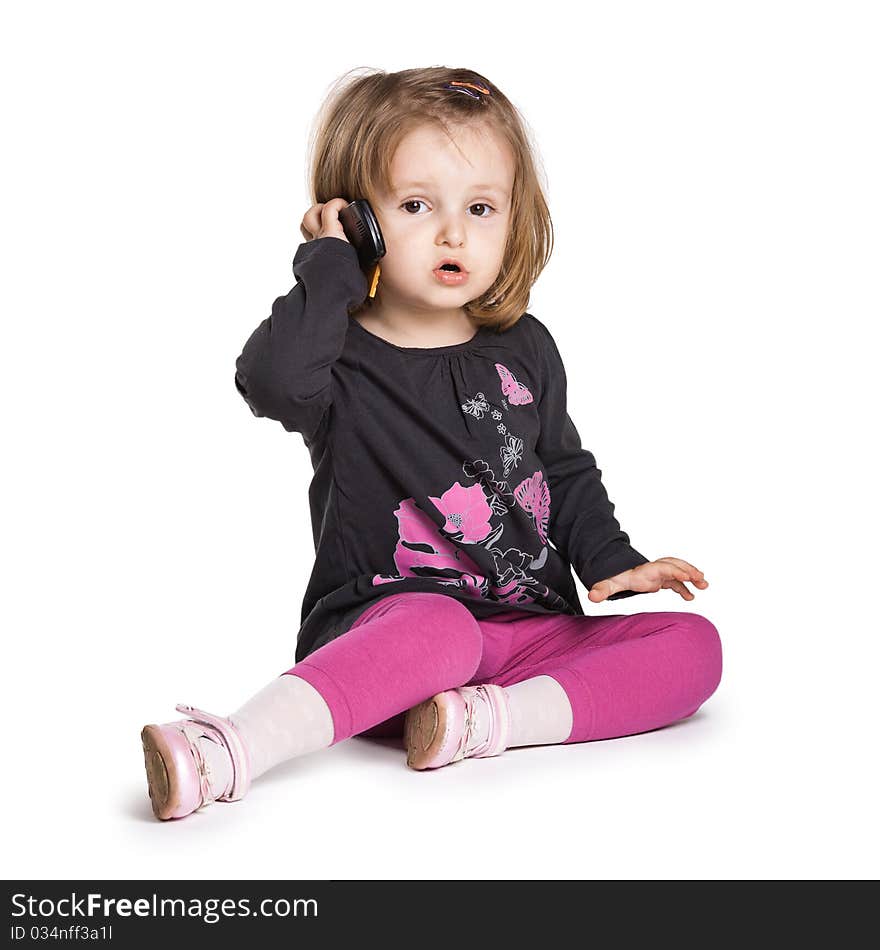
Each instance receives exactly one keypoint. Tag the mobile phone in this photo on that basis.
(362, 230)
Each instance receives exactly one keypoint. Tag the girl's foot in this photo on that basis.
(471, 721)
(193, 762)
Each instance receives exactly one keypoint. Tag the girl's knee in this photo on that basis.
(704, 643)
(455, 619)
(454, 627)
(700, 645)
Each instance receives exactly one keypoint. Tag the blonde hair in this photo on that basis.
(365, 117)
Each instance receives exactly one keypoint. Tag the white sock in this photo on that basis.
(540, 712)
(289, 717)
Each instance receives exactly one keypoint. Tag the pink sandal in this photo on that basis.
(441, 729)
(178, 778)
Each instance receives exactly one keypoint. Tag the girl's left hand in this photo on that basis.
(665, 572)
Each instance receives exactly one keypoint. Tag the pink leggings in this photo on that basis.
(622, 674)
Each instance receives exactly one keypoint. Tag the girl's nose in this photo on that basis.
(451, 230)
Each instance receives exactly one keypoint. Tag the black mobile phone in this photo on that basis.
(362, 230)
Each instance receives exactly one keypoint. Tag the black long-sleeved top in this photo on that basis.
(452, 469)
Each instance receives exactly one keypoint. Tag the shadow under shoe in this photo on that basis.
(445, 728)
(179, 779)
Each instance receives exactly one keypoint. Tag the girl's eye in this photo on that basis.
(418, 201)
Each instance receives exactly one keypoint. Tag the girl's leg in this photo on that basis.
(540, 712)
(288, 717)
(401, 650)
(622, 674)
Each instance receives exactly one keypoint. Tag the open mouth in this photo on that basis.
(450, 274)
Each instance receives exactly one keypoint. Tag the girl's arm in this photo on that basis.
(285, 369)
(582, 525)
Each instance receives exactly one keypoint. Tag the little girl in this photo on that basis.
(451, 496)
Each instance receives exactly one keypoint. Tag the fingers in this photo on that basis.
(597, 593)
(330, 225)
(675, 582)
(311, 222)
(611, 585)
(321, 217)
(679, 588)
(326, 210)
(666, 572)
(684, 571)
(678, 571)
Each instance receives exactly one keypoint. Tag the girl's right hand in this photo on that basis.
(322, 220)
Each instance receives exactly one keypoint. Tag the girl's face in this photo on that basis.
(448, 199)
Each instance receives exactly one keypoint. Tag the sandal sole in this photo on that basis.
(162, 782)
(424, 733)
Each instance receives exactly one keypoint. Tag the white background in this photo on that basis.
(712, 176)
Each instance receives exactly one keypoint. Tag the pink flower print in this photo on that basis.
(466, 510)
(517, 394)
(533, 494)
(423, 552)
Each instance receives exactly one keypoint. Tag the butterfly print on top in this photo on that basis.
(517, 394)
(511, 452)
(477, 406)
(534, 496)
